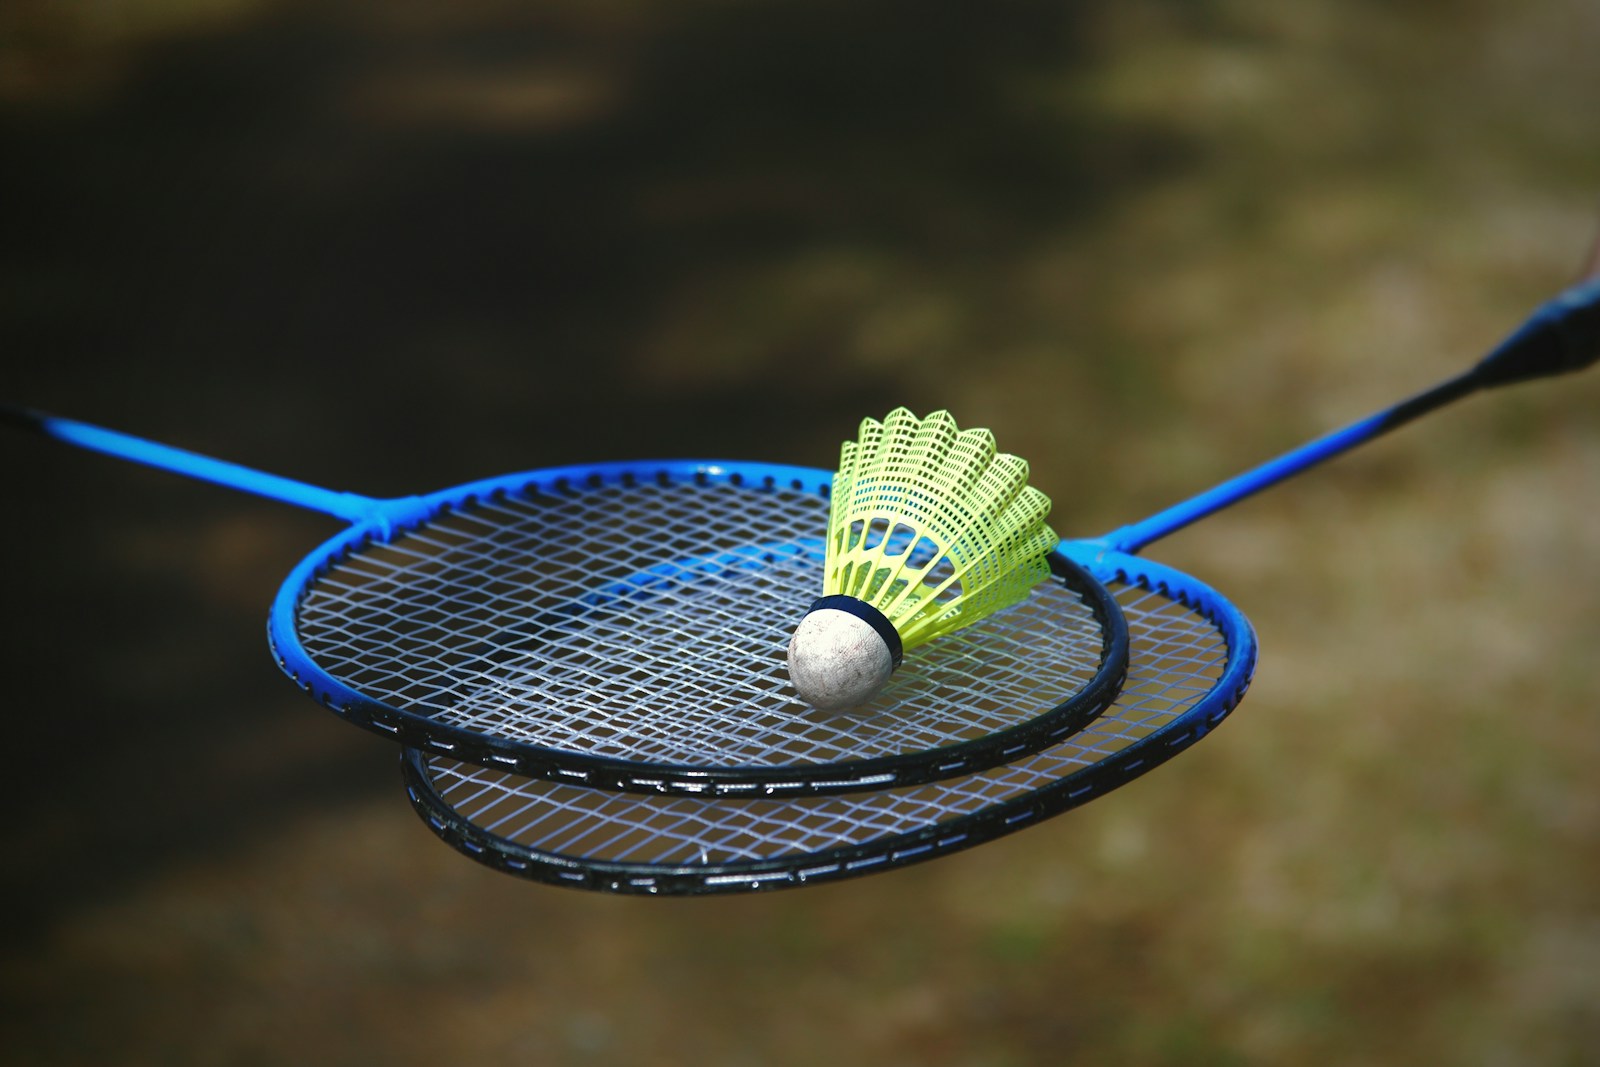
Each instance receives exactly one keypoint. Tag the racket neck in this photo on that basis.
(347, 506)
(1561, 336)
(1136, 536)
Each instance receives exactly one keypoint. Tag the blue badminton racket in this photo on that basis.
(1191, 658)
(616, 626)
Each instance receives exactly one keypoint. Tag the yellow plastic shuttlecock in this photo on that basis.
(930, 529)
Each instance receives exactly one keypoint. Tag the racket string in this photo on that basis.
(648, 623)
(1178, 658)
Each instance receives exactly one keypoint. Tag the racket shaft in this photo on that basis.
(1133, 538)
(1563, 335)
(347, 506)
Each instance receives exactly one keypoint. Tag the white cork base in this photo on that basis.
(837, 660)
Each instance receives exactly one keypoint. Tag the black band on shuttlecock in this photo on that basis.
(868, 614)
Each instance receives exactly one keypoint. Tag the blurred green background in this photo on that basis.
(390, 246)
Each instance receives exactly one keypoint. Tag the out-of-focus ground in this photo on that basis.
(389, 246)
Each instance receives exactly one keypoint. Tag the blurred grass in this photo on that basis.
(388, 246)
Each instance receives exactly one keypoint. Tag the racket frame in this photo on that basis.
(1105, 565)
(410, 728)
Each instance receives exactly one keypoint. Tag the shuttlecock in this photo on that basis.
(930, 529)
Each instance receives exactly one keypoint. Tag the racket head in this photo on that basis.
(1192, 658)
(623, 626)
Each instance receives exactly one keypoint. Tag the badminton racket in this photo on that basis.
(624, 626)
(1191, 661)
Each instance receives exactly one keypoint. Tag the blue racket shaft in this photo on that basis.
(351, 507)
(1562, 335)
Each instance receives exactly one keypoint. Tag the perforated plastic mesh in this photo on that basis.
(933, 527)
(1177, 658)
(648, 622)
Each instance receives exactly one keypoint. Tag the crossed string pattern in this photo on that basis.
(1177, 657)
(649, 621)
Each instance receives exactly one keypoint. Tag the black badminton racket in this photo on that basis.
(624, 626)
(1191, 660)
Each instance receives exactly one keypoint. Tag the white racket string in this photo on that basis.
(1177, 657)
(648, 623)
